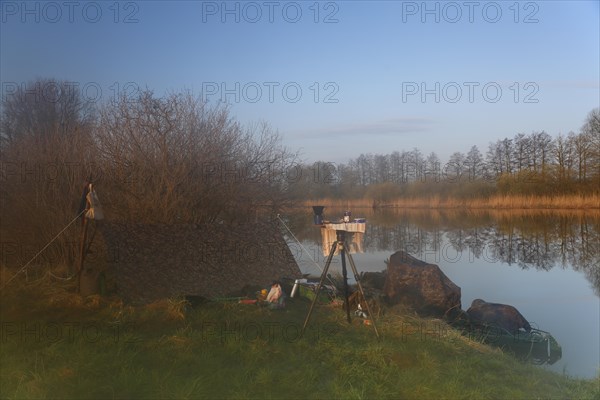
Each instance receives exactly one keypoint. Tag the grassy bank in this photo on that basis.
(500, 202)
(56, 345)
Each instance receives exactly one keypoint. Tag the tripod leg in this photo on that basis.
(323, 276)
(345, 276)
(362, 292)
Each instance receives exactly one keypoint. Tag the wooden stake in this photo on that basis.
(83, 248)
(82, 252)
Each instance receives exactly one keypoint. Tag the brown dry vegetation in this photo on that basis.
(507, 202)
(170, 159)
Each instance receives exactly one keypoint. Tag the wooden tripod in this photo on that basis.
(341, 242)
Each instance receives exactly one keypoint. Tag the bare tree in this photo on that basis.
(522, 145)
(474, 163)
(581, 146)
(43, 108)
(416, 163)
(381, 168)
(540, 150)
(589, 146)
(175, 159)
(395, 161)
(499, 156)
(564, 156)
(432, 167)
(47, 153)
(455, 167)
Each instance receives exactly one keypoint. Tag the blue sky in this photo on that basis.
(336, 79)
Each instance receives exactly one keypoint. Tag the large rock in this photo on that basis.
(373, 280)
(421, 286)
(500, 315)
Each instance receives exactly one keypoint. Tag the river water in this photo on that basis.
(544, 263)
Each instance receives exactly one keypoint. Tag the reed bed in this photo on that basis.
(507, 202)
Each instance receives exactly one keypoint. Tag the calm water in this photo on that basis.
(546, 264)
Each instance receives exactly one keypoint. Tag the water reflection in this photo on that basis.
(539, 262)
(527, 239)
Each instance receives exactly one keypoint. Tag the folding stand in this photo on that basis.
(341, 242)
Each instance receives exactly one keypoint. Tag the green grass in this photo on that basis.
(91, 349)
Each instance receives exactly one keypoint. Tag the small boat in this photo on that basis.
(536, 346)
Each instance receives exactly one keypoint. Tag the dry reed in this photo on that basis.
(564, 202)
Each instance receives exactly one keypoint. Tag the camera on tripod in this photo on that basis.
(342, 237)
(345, 229)
(319, 219)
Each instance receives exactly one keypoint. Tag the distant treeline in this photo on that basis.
(534, 164)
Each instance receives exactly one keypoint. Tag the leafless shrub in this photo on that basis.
(176, 159)
(47, 151)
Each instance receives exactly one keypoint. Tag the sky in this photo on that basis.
(334, 78)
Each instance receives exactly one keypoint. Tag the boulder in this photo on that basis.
(421, 286)
(373, 280)
(501, 315)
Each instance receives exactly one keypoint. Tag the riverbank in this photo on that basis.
(57, 345)
(500, 202)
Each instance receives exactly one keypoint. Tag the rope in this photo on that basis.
(42, 250)
(60, 277)
(304, 248)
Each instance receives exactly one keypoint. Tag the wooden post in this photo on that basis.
(82, 252)
(83, 248)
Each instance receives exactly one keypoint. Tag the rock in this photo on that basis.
(421, 286)
(500, 315)
(373, 280)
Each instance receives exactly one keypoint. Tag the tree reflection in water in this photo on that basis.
(526, 238)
